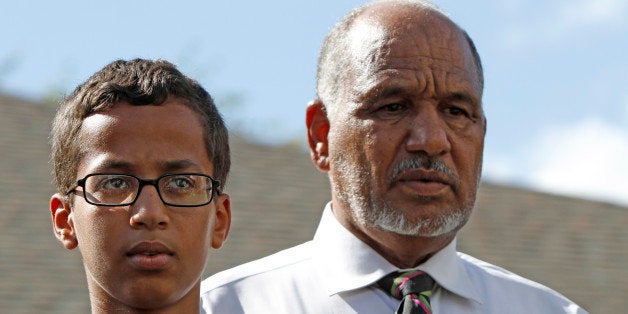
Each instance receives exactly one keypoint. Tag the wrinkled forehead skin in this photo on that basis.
(400, 37)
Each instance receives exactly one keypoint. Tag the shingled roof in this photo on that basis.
(575, 246)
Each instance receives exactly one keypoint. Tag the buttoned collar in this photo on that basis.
(350, 264)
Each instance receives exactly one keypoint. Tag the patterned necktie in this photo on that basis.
(413, 288)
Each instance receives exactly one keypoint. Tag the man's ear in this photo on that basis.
(62, 221)
(317, 125)
(222, 221)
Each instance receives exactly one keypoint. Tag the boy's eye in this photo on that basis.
(114, 183)
(179, 182)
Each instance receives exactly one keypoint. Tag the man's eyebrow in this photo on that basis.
(383, 92)
(461, 96)
(379, 92)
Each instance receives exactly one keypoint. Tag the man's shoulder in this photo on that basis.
(490, 279)
(266, 266)
(479, 269)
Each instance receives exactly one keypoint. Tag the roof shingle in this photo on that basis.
(575, 246)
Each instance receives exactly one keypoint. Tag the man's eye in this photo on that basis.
(394, 107)
(391, 111)
(456, 111)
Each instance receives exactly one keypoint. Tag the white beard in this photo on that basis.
(393, 220)
(353, 187)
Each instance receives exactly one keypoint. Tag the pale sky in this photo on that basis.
(556, 92)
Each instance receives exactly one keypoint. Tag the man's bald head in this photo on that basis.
(336, 61)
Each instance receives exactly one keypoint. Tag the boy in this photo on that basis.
(140, 156)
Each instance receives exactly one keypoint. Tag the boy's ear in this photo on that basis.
(222, 221)
(62, 221)
(317, 125)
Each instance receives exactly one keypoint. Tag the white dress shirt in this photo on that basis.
(336, 272)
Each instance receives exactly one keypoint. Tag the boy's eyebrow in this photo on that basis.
(177, 165)
(116, 165)
(165, 166)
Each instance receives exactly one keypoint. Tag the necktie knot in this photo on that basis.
(414, 289)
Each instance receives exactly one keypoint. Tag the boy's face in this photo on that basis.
(147, 255)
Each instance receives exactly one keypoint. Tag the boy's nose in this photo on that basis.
(149, 211)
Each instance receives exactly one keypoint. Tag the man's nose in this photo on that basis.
(149, 211)
(428, 133)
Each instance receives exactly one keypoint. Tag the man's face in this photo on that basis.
(145, 255)
(406, 137)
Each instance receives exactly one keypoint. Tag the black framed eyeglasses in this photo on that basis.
(119, 189)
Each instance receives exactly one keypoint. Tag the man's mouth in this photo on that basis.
(423, 175)
(422, 182)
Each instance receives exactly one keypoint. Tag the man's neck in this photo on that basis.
(403, 251)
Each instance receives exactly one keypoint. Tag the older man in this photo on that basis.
(399, 127)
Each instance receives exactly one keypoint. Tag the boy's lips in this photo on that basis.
(150, 255)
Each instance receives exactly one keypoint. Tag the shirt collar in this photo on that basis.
(349, 264)
(449, 271)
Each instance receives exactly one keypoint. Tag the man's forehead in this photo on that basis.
(385, 25)
(398, 15)
(366, 41)
(417, 41)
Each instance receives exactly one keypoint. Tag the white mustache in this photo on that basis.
(427, 163)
